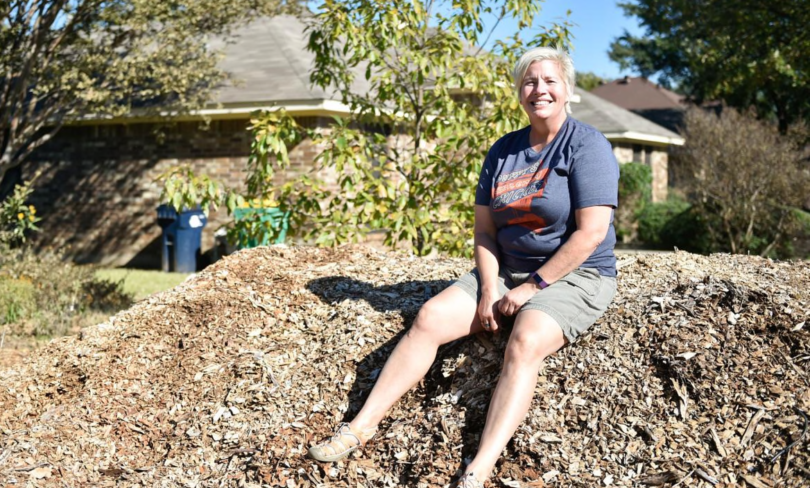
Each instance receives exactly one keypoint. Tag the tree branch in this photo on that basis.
(29, 53)
(775, 239)
(32, 146)
(17, 149)
(482, 44)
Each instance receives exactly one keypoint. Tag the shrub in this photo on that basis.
(635, 193)
(672, 224)
(17, 299)
(800, 244)
(105, 295)
(44, 295)
(745, 181)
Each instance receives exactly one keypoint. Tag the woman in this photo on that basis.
(544, 243)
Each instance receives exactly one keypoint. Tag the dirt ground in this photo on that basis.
(696, 376)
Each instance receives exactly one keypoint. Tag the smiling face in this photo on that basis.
(543, 93)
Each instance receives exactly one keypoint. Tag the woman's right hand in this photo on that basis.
(486, 261)
(488, 312)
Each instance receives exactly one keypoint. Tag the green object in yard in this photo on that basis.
(260, 226)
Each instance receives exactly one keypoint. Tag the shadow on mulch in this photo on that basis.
(405, 298)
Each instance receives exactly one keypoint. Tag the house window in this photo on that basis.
(642, 154)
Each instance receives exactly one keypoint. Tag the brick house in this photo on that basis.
(634, 138)
(98, 194)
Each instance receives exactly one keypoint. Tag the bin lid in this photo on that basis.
(166, 212)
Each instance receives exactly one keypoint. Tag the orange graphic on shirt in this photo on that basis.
(516, 197)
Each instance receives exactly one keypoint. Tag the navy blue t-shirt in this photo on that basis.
(532, 196)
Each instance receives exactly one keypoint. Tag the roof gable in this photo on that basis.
(638, 93)
(615, 121)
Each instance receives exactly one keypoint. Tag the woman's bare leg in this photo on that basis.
(446, 317)
(534, 337)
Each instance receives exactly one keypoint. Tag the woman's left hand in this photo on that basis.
(515, 298)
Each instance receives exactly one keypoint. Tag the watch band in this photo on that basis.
(539, 280)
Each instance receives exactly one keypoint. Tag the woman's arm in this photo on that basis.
(593, 224)
(486, 260)
(592, 227)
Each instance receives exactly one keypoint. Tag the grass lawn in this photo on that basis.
(142, 283)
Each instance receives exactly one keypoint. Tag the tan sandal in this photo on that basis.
(344, 442)
(469, 481)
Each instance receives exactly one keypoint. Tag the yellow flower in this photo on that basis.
(31, 217)
(32, 209)
(20, 215)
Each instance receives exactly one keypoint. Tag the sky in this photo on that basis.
(598, 23)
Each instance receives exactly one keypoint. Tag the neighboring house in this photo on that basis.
(98, 193)
(645, 98)
(634, 138)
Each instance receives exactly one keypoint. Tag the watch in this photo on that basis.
(539, 280)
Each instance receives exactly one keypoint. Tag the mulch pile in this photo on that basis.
(696, 376)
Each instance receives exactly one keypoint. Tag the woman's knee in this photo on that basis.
(445, 317)
(525, 348)
(429, 319)
(532, 344)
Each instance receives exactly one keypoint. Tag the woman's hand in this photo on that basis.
(488, 312)
(515, 298)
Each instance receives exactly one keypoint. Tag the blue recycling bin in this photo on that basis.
(182, 237)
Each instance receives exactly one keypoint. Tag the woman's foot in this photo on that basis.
(344, 442)
(469, 481)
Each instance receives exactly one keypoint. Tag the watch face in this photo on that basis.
(537, 279)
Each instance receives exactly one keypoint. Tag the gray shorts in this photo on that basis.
(575, 301)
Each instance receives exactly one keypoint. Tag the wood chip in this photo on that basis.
(752, 425)
(229, 378)
(718, 444)
(754, 482)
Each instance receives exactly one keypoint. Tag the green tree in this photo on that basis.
(747, 181)
(407, 162)
(588, 80)
(64, 59)
(746, 53)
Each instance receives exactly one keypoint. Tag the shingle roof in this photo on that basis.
(616, 122)
(271, 64)
(638, 94)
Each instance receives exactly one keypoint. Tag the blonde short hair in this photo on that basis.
(538, 54)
